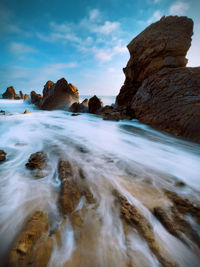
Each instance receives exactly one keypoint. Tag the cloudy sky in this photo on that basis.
(81, 40)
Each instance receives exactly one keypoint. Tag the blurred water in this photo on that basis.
(104, 150)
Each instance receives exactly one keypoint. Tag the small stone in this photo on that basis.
(26, 111)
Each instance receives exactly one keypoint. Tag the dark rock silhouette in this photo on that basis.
(94, 104)
(10, 93)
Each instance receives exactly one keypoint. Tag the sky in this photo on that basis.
(81, 40)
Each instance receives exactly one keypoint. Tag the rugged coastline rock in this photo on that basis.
(79, 107)
(94, 104)
(36, 98)
(158, 88)
(10, 93)
(2, 155)
(37, 161)
(58, 95)
(33, 246)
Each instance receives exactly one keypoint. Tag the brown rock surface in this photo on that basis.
(94, 104)
(27, 111)
(79, 107)
(170, 100)
(159, 89)
(2, 155)
(37, 161)
(36, 98)
(58, 95)
(21, 95)
(33, 245)
(10, 93)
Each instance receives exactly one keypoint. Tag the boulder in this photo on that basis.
(162, 44)
(2, 112)
(115, 113)
(94, 104)
(37, 161)
(26, 111)
(2, 155)
(79, 107)
(58, 95)
(10, 93)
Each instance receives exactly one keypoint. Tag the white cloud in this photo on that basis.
(107, 28)
(179, 8)
(156, 16)
(94, 14)
(103, 55)
(20, 48)
(111, 69)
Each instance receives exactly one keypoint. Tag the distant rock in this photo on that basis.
(26, 111)
(58, 95)
(21, 95)
(36, 98)
(10, 93)
(2, 155)
(79, 107)
(94, 104)
(158, 88)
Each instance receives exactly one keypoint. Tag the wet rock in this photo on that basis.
(75, 114)
(58, 95)
(79, 107)
(94, 104)
(27, 111)
(134, 218)
(184, 205)
(64, 170)
(10, 93)
(116, 113)
(2, 155)
(36, 98)
(37, 161)
(2, 112)
(33, 245)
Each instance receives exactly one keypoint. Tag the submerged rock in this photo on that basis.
(33, 246)
(58, 95)
(2, 155)
(10, 93)
(94, 104)
(27, 111)
(2, 112)
(37, 161)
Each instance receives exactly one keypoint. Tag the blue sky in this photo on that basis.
(83, 40)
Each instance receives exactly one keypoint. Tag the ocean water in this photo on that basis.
(114, 155)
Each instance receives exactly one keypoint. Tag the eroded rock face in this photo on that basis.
(33, 245)
(10, 93)
(21, 95)
(170, 100)
(58, 95)
(94, 104)
(115, 113)
(2, 155)
(162, 44)
(158, 88)
(37, 161)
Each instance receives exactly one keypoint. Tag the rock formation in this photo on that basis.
(79, 107)
(21, 95)
(10, 93)
(158, 87)
(58, 95)
(94, 104)
(36, 98)
(26, 96)
(2, 155)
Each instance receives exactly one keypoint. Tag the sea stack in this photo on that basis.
(158, 88)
